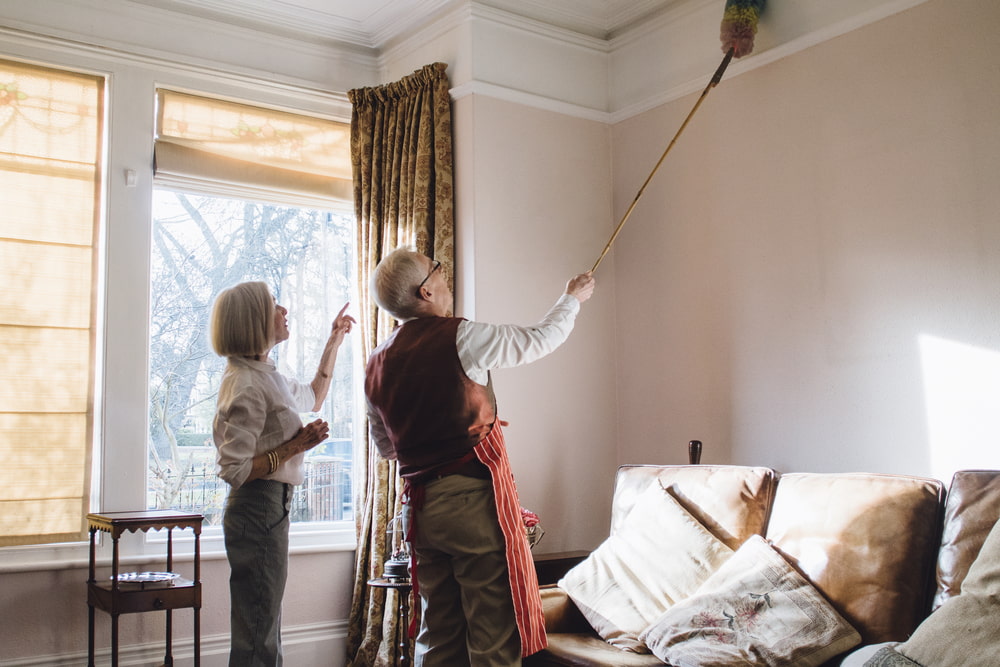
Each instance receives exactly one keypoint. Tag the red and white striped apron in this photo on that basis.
(492, 452)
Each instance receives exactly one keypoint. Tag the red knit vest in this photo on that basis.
(433, 413)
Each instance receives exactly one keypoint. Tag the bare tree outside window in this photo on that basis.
(201, 245)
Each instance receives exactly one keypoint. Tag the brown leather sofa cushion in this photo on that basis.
(971, 510)
(867, 541)
(587, 650)
(573, 642)
(731, 501)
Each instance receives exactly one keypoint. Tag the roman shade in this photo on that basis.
(51, 125)
(222, 143)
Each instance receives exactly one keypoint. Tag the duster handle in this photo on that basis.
(716, 78)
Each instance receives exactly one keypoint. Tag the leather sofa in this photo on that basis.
(884, 550)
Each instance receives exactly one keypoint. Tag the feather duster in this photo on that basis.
(739, 25)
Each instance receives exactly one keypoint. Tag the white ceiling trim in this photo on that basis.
(302, 23)
(386, 19)
(529, 100)
(225, 83)
(539, 28)
(632, 83)
(678, 11)
(387, 25)
(402, 46)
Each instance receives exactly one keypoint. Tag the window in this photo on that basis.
(245, 193)
(202, 244)
(51, 125)
(76, 254)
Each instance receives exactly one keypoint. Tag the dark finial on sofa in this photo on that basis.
(694, 452)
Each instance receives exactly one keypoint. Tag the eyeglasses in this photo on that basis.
(437, 265)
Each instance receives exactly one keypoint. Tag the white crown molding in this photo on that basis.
(102, 59)
(584, 18)
(474, 25)
(428, 32)
(388, 25)
(686, 88)
(660, 22)
(370, 32)
(635, 14)
(529, 100)
(689, 71)
(303, 22)
(595, 18)
(538, 28)
(453, 31)
(142, 34)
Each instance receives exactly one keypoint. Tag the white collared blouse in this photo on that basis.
(258, 409)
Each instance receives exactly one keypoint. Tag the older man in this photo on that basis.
(431, 407)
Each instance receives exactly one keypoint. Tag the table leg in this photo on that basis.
(90, 607)
(114, 640)
(168, 659)
(197, 637)
(404, 613)
(90, 637)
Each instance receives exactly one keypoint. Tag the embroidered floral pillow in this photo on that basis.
(658, 556)
(754, 610)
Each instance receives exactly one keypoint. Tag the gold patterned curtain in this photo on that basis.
(403, 196)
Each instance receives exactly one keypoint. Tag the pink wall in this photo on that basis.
(811, 279)
(45, 613)
(533, 208)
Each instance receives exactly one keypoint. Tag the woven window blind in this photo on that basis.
(50, 179)
(220, 143)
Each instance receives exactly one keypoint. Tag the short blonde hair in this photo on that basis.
(242, 322)
(394, 283)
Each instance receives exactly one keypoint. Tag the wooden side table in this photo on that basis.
(402, 588)
(116, 598)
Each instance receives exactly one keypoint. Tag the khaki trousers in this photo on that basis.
(256, 525)
(467, 615)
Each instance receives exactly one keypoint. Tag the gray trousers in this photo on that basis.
(467, 613)
(256, 532)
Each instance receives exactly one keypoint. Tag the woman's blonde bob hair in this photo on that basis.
(242, 322)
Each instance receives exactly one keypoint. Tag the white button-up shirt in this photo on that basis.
(258, 409)
(482, 347)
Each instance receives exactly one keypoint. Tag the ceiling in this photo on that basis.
(373, 23)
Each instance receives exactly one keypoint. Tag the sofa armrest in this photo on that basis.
(561, 615)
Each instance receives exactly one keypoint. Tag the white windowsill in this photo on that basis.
(134, 550)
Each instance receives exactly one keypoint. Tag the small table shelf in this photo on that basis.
(402, 587)
(116, 598)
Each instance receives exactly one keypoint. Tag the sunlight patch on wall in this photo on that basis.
(962, 389)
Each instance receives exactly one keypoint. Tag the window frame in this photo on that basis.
(122, 330)
(302, 535)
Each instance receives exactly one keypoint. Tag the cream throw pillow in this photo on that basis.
(659, 555)
(965, 630)
(755, 610)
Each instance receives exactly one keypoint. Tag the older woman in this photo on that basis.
(261, 444)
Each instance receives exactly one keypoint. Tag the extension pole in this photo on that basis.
(711, 84)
